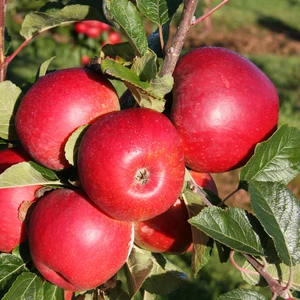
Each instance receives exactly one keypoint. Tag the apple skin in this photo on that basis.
(131, 164)
(223, 105)
(73, 243)
(12, 229)
(56, 105)
(170, 232)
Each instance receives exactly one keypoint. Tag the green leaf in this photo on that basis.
(161, 86)
(242, 294)
(121, 52)
(278, 210)
(37, 22)
(164, 277)
(158, 11)
(146, 66)
(9, 100)
(44, 67)
(124, 15)
(137, 269)
(278, 271)
(277, 159)
(10, 267)
(202, 249)
(116, 293)
(230, 227)
(142, 91)
(27, 286)
(72, 144)
(27, 173)
(154, 40)
(52, 292)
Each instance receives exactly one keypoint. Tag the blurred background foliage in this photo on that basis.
(267, 32)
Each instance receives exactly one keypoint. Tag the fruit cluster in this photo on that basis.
(130, 163)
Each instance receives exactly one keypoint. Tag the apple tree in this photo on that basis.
(105, 167)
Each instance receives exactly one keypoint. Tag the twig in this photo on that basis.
(238, 267)
(227, 197)
(275, 287)
(3, 65)
(199, 20)
(186, 22)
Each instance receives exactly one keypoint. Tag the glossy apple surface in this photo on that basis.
(56, 105)
(131, 164)
(170, 232)
(74, 244)
(12, 227)
(223, 105)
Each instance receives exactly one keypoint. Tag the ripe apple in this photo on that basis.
(223, 105)
(12, 227)
(170, 232)
(56, 105)
(73, 243)
(131, 164)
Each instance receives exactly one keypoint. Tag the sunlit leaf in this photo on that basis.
(278, 210)
(9, 99)
(230, 227)
(52, 292)
(242, 294)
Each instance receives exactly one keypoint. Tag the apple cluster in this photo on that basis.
(131, 163)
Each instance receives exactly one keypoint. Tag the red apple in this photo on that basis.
(131, 164)
(223, 105)
(56, 105)
(12, 227)
(74, 244)
(170, 232)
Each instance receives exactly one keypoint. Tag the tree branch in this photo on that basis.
(3, 64)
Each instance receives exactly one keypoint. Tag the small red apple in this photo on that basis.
(12, 227)
(131, 164)
(56, 105)
(74, 244)
(170, 232)
(223, 105)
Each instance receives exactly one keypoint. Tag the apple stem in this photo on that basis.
(238, 267)
(3, 64)
(228, 196)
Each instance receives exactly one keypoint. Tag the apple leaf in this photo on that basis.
(122, 53)
(27, 286)
(27, 173)
(230, 227)
(147, 94)
(242, 294)
(201, 248)
(52, 292)
(137, 269)
(9, 100)
(37, 22)
(154, 40)
(278, 210)
(44, 67)
(164, 277)
(72, 144)
(158, 11)
(124, 15)
(10, 267)
(278, 271)
(275, 160)
(116, 293)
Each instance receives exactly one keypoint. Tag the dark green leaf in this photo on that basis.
(137, 268)
(164, 277)
(242, 294)
(52, 292)
(278, 210)
(121, 52)
(124, 15)
(154, 40)
(10, 267)
(277, 159)
(116, 293)
(27, 286)
(158, 11)
(27, 173)
(230, 227)
(37, 22)
(9, 100)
